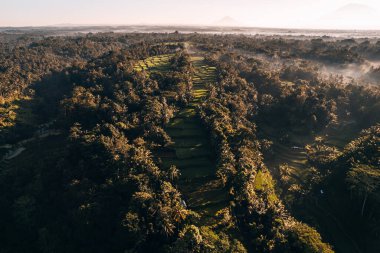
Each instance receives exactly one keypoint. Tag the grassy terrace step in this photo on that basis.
(190, 142)
(199, 85)
(209, 211)
(191, 184)
(292, 156)
(204, 199)
(197, 184)
(190, 132)
(285, 158)
(193, 152)
(165, 154)
(187, 112)
(196, 172)
(291, 153)
(296, 164)
(183, 123)
(200, 91)
(160, 63)
(289, 147)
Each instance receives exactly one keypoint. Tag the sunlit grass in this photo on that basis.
(263, 182)
(154, 63)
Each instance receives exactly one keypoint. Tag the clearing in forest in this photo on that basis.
(158, 63)
(292, 150)
(194, 154)
(191, 150)
(321, 208)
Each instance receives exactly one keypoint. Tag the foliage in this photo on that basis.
(101, 184)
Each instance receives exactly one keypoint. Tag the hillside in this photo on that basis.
(187, 143)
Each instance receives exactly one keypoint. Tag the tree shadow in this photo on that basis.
(22, 118)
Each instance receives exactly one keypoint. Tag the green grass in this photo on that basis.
(208, 198)
(263, 181)
(193, 152)
(190, 142)
(197, 172)
(295, 158)
(189, 132)
(159, 63)
(186, 113)
(184, 123)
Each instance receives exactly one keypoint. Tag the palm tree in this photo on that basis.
(167, 227)
(285, 170)
(180, 214)
(174, 173)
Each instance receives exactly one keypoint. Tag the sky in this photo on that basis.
(345, 14)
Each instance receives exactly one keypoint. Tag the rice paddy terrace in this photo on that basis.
(193, 153)
(292, 150)
(191, 150)
(159, 63)
(293, 153)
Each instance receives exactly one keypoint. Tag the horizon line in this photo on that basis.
(69, 25)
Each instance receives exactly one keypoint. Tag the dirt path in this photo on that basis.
(17, 149)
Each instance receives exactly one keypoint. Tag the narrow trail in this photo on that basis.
(193, 154)
(16, 149)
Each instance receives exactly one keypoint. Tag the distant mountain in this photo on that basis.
(352, 16)
(354, 10)
(226, 21)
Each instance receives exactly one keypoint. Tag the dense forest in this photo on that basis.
(170, 142)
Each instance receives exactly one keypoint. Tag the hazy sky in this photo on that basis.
(267, 13)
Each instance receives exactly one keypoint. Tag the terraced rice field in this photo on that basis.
(294, 156)
(294, 153)
(159, 63)
(318, 210)
(341, 136)
(192, 152)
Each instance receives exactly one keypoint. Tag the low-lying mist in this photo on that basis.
(366, 72)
